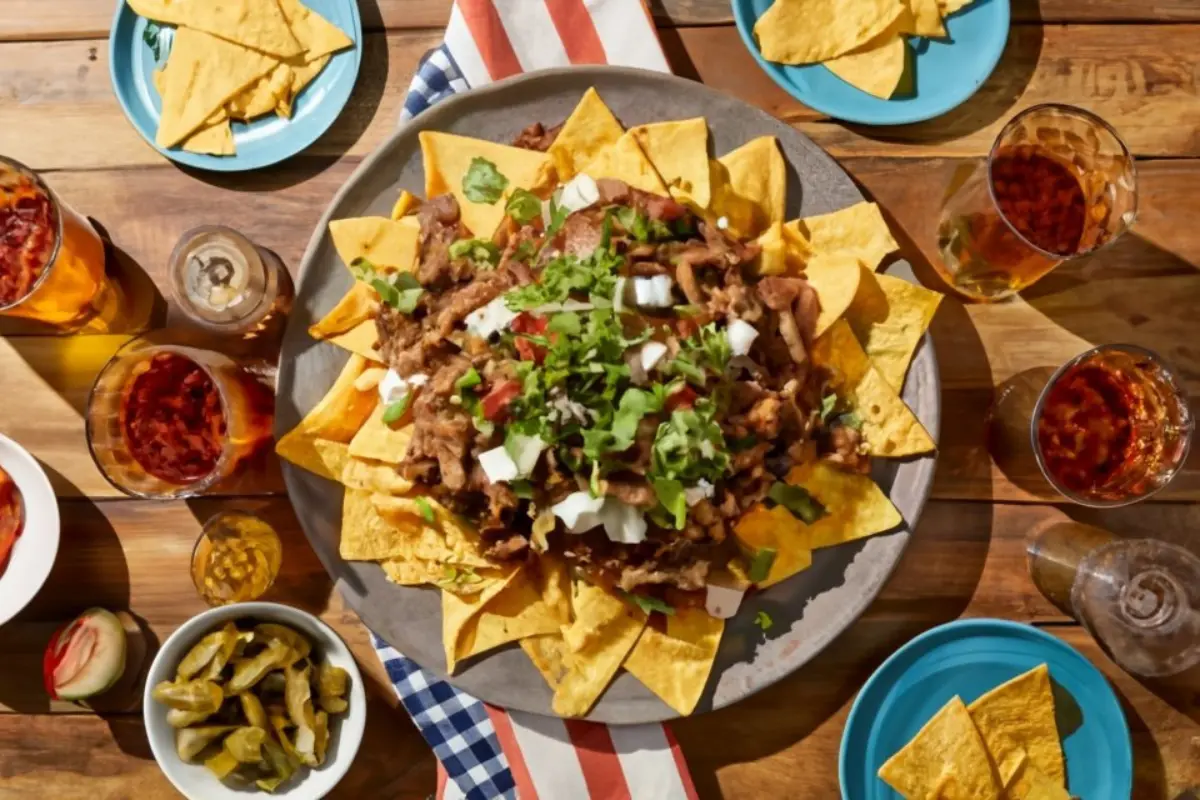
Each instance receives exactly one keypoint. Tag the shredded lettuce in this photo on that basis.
(523, 206)
(480, 252)
(798, 501)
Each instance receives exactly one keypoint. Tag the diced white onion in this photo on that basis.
(662, 289)
(420, 379)
(393, 388)
(653, 292)
(490, 319)
(579, 511)
(722, 223)
(498, 465)
(703, 490)
(622, 522)
(741, 336)
(651, 353)
(722, 602)
(525, 451)
(579, 193)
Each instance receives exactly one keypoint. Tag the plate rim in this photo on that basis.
(234, 163)
(744, 20)
(973, 626)
(36, 488)
(292, 473)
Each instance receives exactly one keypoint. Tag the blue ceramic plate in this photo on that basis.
(969, 658)
(266, 140)
(946, 72)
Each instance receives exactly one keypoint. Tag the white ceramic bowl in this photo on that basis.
(34, 551)
(346, 730)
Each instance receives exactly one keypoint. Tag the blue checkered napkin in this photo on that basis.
(455, 724)
(437, 77)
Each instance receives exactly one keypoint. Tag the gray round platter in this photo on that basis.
(808, 610)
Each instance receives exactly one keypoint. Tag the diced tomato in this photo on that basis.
(686, 328)
(683, 397)
(528, 351)
(529, 323)
(496, 402)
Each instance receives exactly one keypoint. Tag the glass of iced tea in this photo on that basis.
(52, 263)
(1112, 426)
(169, 421)
(1058, 184)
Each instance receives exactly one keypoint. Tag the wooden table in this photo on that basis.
(1135, 63)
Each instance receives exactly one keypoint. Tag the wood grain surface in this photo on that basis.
(1135, 63)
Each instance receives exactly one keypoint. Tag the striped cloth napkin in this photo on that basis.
(486, 752)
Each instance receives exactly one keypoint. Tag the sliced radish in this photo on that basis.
(85, 657)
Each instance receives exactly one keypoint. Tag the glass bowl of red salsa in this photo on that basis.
(1112, 426)
(169, 421)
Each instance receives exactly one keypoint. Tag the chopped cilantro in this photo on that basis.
(483, 183)
(479, 251)
(469, 380)
(400, 290)
(828, 406)
(797, 500)
(425, 508)
(763, 620)
(672, 498)
(523, 206)
(647, 603)
(641, 227)
(708, 350)
(690, 446)
(396, 410)
(558, 216)
(596, 274)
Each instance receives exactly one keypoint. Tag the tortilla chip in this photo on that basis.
(782, 252)
(1016, 720)
(946, 759)
(523, 608)
(358, 305)
(592, 667)
(258, 25)
(366, 535)
(679, 152)
(448, 157)
(878, 68)
(203, 73)
(215, 138)
(459, 610)
(807, 31)
(778, 530)
(360, 340)
(749, 187)
(590, 129)
(889, 316)
(835, 277)
(316, 35)
(948, 7)
(373, 476)
(625, 161)
(261, 96)
(412, 573)
(447, 540)
(1030, 783)
(675, 664)
(302, 76)
(549, 653)
(336, 418)
(927, 18)
(593, 608)
(381, 441)
(386, 243)
(889, 427)
(407, 203)
(331, 458)
(857, 230)
(854, 505)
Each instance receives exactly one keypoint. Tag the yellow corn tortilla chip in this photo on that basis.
(407, 203)
(946, 759)
(878, 69)
(857, 230)
(835, 277)
(625, 161)
(1016, 720)
(262, 95)
(386, 243)
(317, 36)
(593, 608)
(258, 25)
(748, 187)
(215, 138)
(378, 527)
(448, 157)
(889, 427)
(777, 530)
(360, 340)
(373, 476)
(590, 129)
(459, 610)
(807, 31)
(854, 505)
(302, 76)
(1030, 783)
(592, 667)
(679, 152)
(549, 653)
(927, 18)
(336, 418)
(675, 664)
(412, 573)
(948, 7)
(332, 458)
(531, 605)
(455, 542)
(782, 251)
(889, 316)
(358, 305)
(381, 441)
(202, 73)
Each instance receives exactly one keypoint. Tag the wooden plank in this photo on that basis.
(90, 19)
(60, 112)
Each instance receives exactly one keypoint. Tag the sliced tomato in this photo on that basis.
(683, 397)
(496, 402)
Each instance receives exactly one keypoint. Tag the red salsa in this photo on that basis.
(12, 516)
(1041, 197)
(172, 419)
(28, 224)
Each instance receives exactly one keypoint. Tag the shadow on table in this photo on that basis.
(1149, 774)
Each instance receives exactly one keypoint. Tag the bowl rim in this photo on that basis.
(353, 726)
(35, 484)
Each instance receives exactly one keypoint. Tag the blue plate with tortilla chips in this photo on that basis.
(941, 73)
(969, 658)
(138, 47)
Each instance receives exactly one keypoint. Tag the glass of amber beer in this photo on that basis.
(1058, 184)
(52, 266)
(169, 421)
